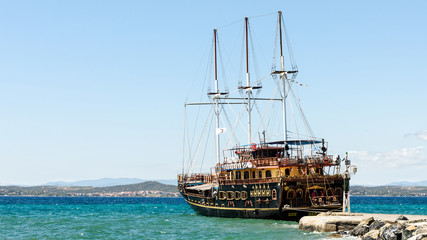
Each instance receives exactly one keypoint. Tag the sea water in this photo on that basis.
(157, 218)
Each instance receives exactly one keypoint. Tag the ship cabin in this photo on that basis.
(269, 162)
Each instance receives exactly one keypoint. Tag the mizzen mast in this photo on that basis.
(284, 77)
(218, 152)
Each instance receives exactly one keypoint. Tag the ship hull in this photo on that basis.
(257, 213)
(263, 201)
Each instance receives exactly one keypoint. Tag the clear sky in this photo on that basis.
(93, 89)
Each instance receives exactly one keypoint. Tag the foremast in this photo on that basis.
(216, 97)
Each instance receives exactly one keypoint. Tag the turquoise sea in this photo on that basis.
(157, 218)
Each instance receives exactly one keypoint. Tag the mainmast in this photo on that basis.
(248, 86)
(283, 77)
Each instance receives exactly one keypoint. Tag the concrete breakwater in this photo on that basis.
(368, 226)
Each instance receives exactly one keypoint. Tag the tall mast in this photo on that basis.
(217, 94)
(216, 79)
(283, 77)
(248, 85)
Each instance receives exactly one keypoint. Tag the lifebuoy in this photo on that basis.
(326, 160)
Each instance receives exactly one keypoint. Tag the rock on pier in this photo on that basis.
(369, 226)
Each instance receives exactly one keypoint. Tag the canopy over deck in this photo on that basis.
(203, 187)
(296, 142)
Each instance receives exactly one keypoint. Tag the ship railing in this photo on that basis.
(325, 200)
(315, 201)
(297, 202)
(196, 178)
(307, 160)
(227, 181)
(265, 162)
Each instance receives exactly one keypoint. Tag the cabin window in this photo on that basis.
(253, 174)
(230, 195)
(238, 175)
(237, 195)
(268, 174)
(287, 172)
(299, 193)
(244, 195)
(291, 194)
(259, 174)
(231, 175)
(274, 194)
(246, 175)
(221, 195)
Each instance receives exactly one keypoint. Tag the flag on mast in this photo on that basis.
(220, 130)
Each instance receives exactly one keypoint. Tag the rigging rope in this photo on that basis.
(301, 112)
(206, 145)
(229, 124)
(238, 117)
(200, 141)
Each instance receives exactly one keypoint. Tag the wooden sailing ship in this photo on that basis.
(283, 179)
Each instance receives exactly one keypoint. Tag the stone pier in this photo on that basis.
(368, 225)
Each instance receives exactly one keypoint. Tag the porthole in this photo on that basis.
(244, 195)
(237, 195)
(222, 195)
(230, 195)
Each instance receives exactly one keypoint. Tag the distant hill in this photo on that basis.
(106, 182)
(409, 184)
(389, 191)
(144, 189)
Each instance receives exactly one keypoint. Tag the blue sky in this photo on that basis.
(93, 89)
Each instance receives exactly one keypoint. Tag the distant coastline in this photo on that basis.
(144, 189)
(389, 191)
(156, 189)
